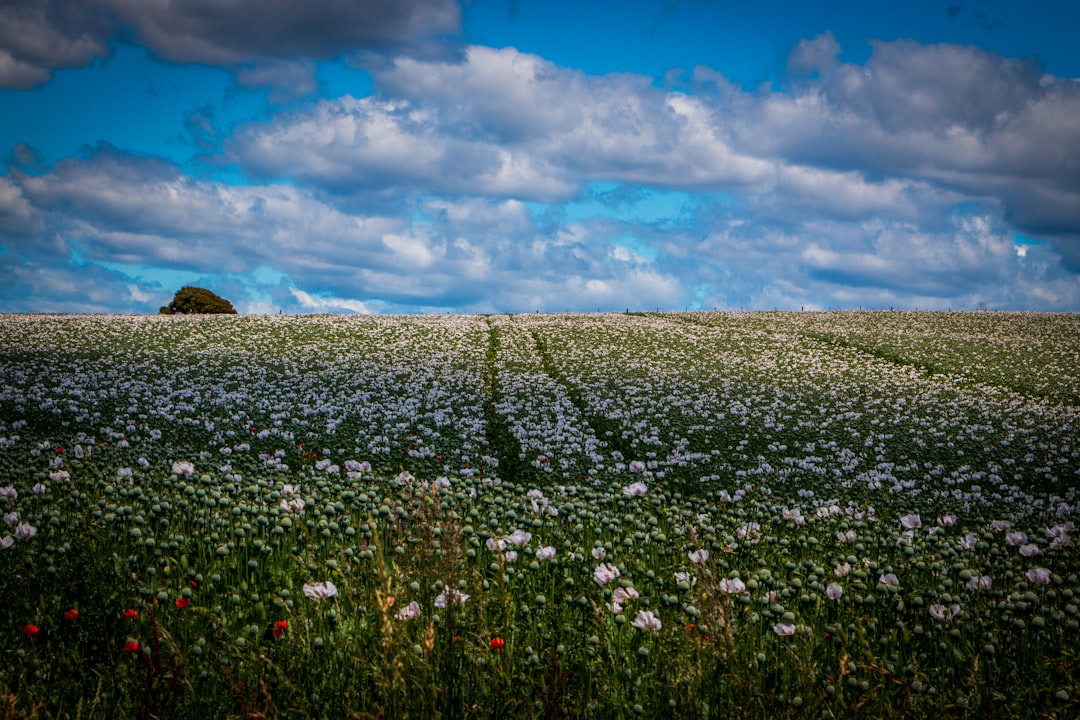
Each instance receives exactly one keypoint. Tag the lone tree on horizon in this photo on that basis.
(198, 301)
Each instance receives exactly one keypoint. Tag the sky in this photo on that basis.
(434, 156)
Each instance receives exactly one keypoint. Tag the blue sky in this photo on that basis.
(512, 156)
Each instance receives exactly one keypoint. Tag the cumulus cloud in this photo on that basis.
(968, 261)
(814, 56)
(615, 127)
(227, 32)
(37, 36)
(958, 118)
(17, 216)
(499, 123)
(323, 305)
(61, 287)
(898, 182)
(480, 254)
(350, 144)
(915, 129)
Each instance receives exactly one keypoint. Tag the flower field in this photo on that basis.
(684, 515)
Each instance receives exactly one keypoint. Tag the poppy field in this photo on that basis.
(685, 515)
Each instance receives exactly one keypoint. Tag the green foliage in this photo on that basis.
(198, 301)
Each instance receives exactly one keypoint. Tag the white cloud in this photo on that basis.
(447, 189)
(957, 119)
(499, 123)
(16, 213)
(348, 145)
(817, 55)
(322, 304)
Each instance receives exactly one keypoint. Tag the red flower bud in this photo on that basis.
(497, 643)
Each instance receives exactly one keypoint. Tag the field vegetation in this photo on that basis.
(687, 515)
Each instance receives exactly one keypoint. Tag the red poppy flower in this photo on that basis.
(497, 643)
(279, 627)
(131, 646)
(182, 602)
(71, 614)
(130, 614)
(30, 630)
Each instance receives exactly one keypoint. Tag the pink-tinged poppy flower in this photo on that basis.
(320, 590)
(783, 629)
(183, 467)
(409, 612)
(520, 538)
(1029, 550)
(732, 586)
(834, 591)
(981, 583)
(450, 596)
(295, 505)
(604, 573)
(911, 522)
(940, 612)
(635, 489)
(1039, 575)
(1016, 538)
(699, 556)
(545, 553)
(645, 620)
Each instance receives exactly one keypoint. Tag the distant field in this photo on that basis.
(686, 515)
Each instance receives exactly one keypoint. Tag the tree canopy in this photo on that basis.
(198, 301)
